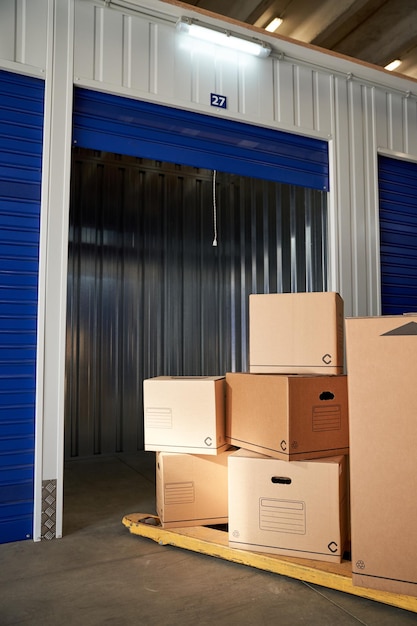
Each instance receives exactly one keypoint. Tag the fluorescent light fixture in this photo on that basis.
(223, 38)
(393, 65)
(274, 25)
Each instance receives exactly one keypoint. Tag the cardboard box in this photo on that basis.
(287, 417)
(293, 509)
(185, 414)
(191, 490)
(296, 333)
(382, 376)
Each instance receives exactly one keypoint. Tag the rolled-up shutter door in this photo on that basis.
(21, 124)
(132, 127)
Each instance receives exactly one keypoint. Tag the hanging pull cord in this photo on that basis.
(214, 210)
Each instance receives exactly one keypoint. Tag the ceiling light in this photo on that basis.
(393, 65)
(223, 38)
(274, 25)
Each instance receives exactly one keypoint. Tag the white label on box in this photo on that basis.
(327, 418)
(158, 417)
(283, 516)
(179, 493)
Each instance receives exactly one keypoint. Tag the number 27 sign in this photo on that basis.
(216, 100)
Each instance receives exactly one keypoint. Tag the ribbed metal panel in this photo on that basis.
(148, 293)
(146, 55)
(398, 235)
(23, 32)
(21, 115)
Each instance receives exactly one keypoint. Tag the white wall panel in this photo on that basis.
(410, 125)
(196, 75)
(149, 56)
(8, 30)
(304, 97)
(226, 81)
(356, 175)
(381, 118)
(84, 41)
(137, 44)
(256, 88)
(35, 32)
(284, 93)
(341, 224)
(23, 32)
(395, 116)
(322, 102)
(395, 122)
(370, 305)
(163, 61)
(109, 42)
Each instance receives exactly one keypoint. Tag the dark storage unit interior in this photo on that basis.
(149, 293)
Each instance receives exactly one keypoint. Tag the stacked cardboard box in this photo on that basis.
(296, 333)
(185, 425)
(285, 490)
(288, 417)
(382, 366)
(290, 508)
(185, 414)
(284, 487)
(288, 483)
(191, 489)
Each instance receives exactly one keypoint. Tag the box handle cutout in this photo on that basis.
(281, 480)
(326, 395)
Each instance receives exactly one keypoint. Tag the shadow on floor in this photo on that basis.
(99, 574)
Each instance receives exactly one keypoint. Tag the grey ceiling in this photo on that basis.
(375, 31)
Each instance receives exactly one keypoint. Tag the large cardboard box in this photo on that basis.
(382, 391)
(287, 417)
(185, 414)
(296, 333)
(191, 490)
(293, 509)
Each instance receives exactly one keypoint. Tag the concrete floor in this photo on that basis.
(100, 574)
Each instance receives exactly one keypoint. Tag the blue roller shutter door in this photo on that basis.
(132, 127)
(21, 124)
(398, 235)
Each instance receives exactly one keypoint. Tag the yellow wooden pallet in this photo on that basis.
(214, 542)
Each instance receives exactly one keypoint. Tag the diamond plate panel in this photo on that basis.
(48, 528)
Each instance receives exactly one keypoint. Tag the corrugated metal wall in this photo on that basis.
(142, 55)
(149, 294)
